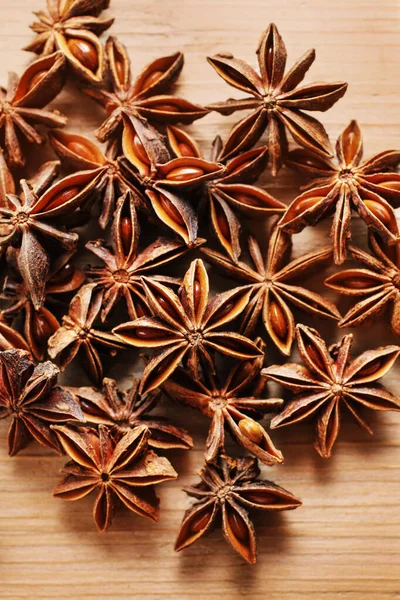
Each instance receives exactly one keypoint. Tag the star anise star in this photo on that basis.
(228, 490)
(145, 96)
(235, 406)
(276, 101)
(30, 396)
(78, 334)
(127, 410)
(272, 293)
(331, 381)
(121, 469)
(377, 282)
(124, 264)
(186, 327)
(22, 105)
(72, 27)
(370, 188)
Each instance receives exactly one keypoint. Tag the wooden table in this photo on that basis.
(344, 542)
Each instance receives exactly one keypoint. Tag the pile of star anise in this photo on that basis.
(161, 204)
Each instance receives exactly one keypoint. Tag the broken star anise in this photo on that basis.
(78, 334)
(377, 283)
(228, 489)
(72, 27)
(235, 406)
(330, 381)
(145, 96)
(30, 396)
(371, 188)
(124, 264)
(127, 410)
(121, 469)
(272, 291)
(275, 100)
(22, 105)
(186, 327)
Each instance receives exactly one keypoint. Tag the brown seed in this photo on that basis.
(185, 149)
(305, 204)
(200, 521)
(139, 150)
(246, 199)
(141, 309)
(170, 209)
(151, 79)
(41, 328)
(379, 211)
(119, 67)
(196, 294)
(82, 150)
(62, 197)
(223, 311)
(370, 368)
(166, 107)
(391, 185)
(126, 231)
(63, 275)
(358, 283)
(315, 356)
(36, 78)
(184, 173)
(85, 53)
(259, 497)
(166, 305)
(238, 526)
(252, 430)
(278, 320)
(144, 333)
(223, 224)
(351, 146)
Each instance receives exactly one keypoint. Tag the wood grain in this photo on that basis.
(344, 542)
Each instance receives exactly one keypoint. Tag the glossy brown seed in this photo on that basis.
(379, 211)
(185, 149)
(196, 294)
(223, 311)
(62, 197)
(41, 329)
(139, 150)
(166, 305)
(259, 497)
(315, 356)
(237, 526)
(119, 67)
(85, 52)
(306, 204)
(200, 521)
(144, 333)
(246, 199)
(358, 283)
(350, 147)
(151, 78)
(36, 78)
(63, 275)
(252, 430)
(170, 209)
(278, 320)
(81, 149)
(141, 309)
(126, 233)
(391, 185)
(223, 225)
(184, 173)
(370, 369)
(166, 107)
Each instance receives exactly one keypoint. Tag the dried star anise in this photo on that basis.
(120, 277)
(29, 219)
(330, 381)
(370, 188)
(235, 406)
(72, 27)
(148, 163)
(229, 488)
(29, 395)
(276, 101)
(9, 337)
(22, 105)
(230, 189)
(121, 469)
(377, 283)
(77, 333)
(127, 410)
(39, 325)
(272, 293)
(145, 96)
(186, 327)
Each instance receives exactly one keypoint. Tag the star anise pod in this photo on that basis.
(330, 381)
(124, 264)
(9, 337)
(145, 96)
(127, 410)
(230, 189)
(228, 489)
(148, 163)
(22, 105)
(275, 100)
(186, 327)
(235, 405)
(33, 218)
(30, 396)
(39, 325)
(122, 470)
(377, 282)
(272, 293)
(78, 334)
(371, 188)
(72, 27)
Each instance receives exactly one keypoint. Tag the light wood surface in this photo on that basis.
(343, 543)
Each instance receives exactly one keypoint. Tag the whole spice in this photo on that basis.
(370, 188)
(116, 467)
(276, 102)
(229, 489)
(30, 396)
(126, 410)
(331, 381)
(186, 327)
